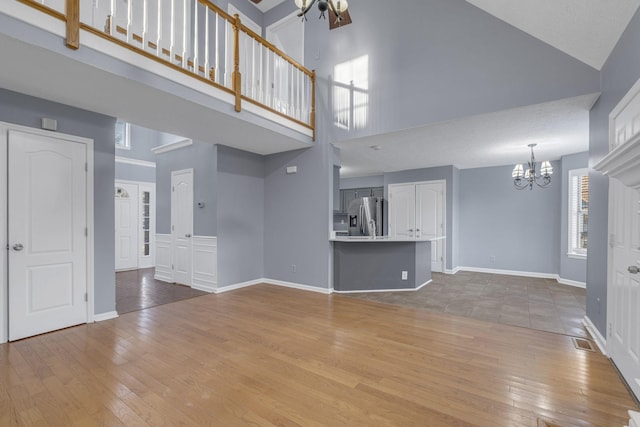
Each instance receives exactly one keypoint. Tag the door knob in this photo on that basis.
(18, 247)
(633, 269)
(187, 235)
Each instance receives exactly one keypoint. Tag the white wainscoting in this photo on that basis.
(164, 272)
(205, 263)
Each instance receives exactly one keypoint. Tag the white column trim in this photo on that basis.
(204, 269)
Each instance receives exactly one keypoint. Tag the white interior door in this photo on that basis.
(624, 282)
(402, 211)
(127, 225)
(47, 233)
(430, 219)
(181, 224)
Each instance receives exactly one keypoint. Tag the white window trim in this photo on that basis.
(571, 252)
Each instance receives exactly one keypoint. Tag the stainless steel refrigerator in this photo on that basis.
(365, 216)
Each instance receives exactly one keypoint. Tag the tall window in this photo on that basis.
(578, 211)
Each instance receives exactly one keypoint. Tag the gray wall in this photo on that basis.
(363, 181)
(139, 173)
(445, 173)
(570, 268)
(619, 73)
(455, 61)
(519, 228)
(241, 204)
(297, 216)
(27, 111)
(202, 158)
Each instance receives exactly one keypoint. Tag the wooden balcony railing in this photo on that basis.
(198, 38)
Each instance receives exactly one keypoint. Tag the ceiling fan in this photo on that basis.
(339, 15)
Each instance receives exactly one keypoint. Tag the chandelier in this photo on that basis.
(336, 8)
(526, 178)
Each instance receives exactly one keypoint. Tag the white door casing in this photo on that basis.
(623, 314)
(126, 225)
(48, 236)
(287, 35)
(402, 211)
(182, 224)
(430, 197)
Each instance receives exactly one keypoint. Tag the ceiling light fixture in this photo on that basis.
(337, 9)
(526, 178)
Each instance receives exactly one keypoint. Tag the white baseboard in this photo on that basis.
(383, 290)
(162, 277)
(325, 291)
(596, 335)
(559, 279)
(300, 286)
(199, 287)
(454, 271)
(238, 286)
(105, 316)
(509, 272)
(573, 283)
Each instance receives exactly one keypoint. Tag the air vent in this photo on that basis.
(583, 344)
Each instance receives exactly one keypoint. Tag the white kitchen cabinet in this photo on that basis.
(417, 210)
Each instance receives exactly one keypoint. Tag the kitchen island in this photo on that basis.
(362, 264)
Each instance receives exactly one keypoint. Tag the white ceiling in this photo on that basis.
(500, 138)
(588, 30)
(266, 5)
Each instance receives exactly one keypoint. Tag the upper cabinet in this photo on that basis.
(623, 160)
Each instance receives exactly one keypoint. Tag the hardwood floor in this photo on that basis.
(268, 356)
(137, 290)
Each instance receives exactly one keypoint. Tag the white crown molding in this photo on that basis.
(623, 163)
(172, 146)
(135, 162)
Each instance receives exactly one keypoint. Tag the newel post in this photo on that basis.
(73, 24)
(236, 77)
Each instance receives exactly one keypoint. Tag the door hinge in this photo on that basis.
(173, 228)
(86, 231)
(173, 188)
(172, 266)
(86, 297)
(610, 327)
(86, 167)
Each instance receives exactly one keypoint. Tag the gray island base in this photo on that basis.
(375, 265)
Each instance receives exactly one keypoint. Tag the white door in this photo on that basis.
(182, 224)
(624, 282)
(127, 225)
(47, 234)
(430, 219)
(402, 211)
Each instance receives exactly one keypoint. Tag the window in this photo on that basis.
(123, 140)
(578, 212)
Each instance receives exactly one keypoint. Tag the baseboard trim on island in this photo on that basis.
(326, 291)
(383, 290)
(600, 341)
(105, 316)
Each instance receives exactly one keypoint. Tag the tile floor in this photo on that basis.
(137, 290)
(540, 304)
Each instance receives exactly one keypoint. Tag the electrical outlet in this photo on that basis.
(405, 275)
(293, 268)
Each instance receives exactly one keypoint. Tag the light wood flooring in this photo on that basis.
(534, 303)
(270, 356)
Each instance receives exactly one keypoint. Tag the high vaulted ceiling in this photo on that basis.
(588, 30)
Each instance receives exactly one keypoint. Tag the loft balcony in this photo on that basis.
(180, 66)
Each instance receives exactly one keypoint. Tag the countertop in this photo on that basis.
(381, 239)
